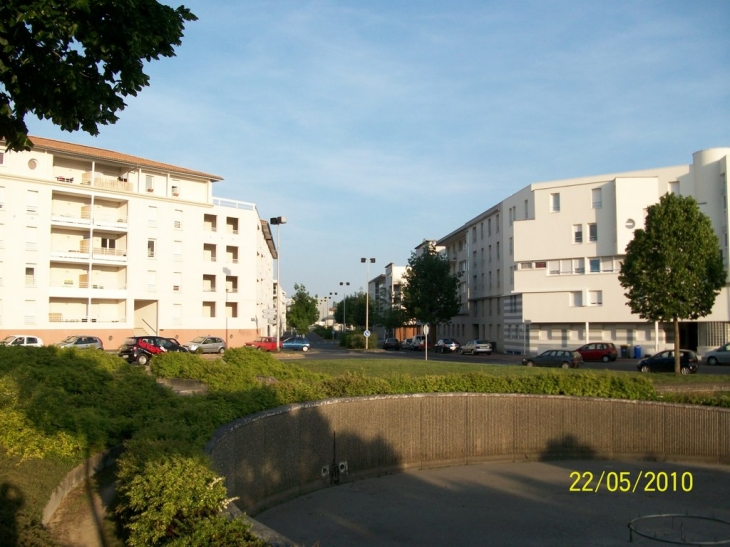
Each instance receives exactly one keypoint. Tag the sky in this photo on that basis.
(373, 125)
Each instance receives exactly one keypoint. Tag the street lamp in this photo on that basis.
(344, 285)
(278, 221)
(367, 296)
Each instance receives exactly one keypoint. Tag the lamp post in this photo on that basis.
(278, 221)
(344, 285)
(367, 295)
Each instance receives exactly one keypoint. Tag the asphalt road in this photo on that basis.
(327, 349)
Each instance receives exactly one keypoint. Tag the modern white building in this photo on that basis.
(98, 242)
(540, 269)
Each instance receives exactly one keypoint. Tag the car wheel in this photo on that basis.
(142, 359)
(222, 351)
(712, 361)
(684, 370)
(460, 351)
(605, 358)
(565, 365)
(645, 368)
(305, 348)
(530, 364)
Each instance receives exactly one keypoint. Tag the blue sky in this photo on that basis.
(373, 125)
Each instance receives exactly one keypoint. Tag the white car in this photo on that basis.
(718, 356)
(21, 340)
(476, 347)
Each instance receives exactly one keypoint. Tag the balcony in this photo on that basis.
(117, 184)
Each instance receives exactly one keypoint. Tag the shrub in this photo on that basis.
(177, 500)
(356, 340)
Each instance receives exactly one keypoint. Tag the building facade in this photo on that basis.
(97, 242)
(539, 270)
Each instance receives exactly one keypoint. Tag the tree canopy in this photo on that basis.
(431, 293)
(73, 62)
(352, 309)
(303, 310)
(673, 267)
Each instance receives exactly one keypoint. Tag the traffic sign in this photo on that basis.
(366, 334)
(425, 329)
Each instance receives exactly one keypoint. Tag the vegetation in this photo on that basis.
(303, 310)
(430, 294)
(673, 267)
(352, 309)
(74, 62)
(59, 406)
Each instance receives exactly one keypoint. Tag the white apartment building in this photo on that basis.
(540, 269)
(98, 242)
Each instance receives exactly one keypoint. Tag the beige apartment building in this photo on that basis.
(98, 242)
(539, 270)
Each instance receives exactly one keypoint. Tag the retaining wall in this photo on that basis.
(288, 451)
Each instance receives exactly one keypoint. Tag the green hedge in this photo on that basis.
(356, 340)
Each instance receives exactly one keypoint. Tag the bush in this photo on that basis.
(177, 500)
(356, 340)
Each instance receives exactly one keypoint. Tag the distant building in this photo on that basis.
(540, 269)
(100, 242)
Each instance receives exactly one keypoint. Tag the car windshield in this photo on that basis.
(70, 339)
(198, 340)
(7, 339)
(130, 341)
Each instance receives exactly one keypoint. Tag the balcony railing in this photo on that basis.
(108, 183)
(59, 317)
(96, 285)
(109, 253)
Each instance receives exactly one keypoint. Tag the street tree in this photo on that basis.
(74, 62)
(352, 309)
(303, 310)
(430, 294)
(673, 267)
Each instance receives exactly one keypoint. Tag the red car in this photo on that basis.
(264, 343)
(598, 351)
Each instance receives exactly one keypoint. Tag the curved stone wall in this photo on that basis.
(288, 451)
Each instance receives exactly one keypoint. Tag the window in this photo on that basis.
(175, 190)
(540, 265)
(32, 201)
(177, 251)
(149, 183)
(674, 187)
(555, 203)
(30, 276)
(576, 299)
(152, 216)
(595, 298)
(151, 280)
(489, 227)
(527, 208)
(497, 250)
(151, 243)
(107, 243)
(596, 199)
(525, 265)
(499, 282)
(177, 219)
(176, 281)
(577, 233)
(593, 232)
(30, 312)
(177, 314)
(474, 234)
(511, 247)
(31, 238)
(496, 223)
(579, 265)
(2, 158)
(490, 254)
(595, 264)
(208, 309)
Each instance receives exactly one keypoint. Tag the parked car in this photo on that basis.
(447, 345)
(21, 340)
(81, 341)
(140, 349)
(296, 343)
(663, 361)
(555, 358)
(407, 343)
(418, 343)
(718, 356)
(598, 351)
(206, 344)
(476, 346)
(264, 343)
(391, 343)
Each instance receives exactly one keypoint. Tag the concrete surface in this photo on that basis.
(507, 504)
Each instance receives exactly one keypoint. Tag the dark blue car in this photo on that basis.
(296, 343)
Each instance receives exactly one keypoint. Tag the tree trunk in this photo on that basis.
(677, 345)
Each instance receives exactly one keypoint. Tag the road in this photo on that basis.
(327, 349)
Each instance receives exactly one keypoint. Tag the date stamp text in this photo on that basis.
(631, 481)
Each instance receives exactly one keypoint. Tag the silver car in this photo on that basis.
(475, 347)
(718, 356)
(81, 341)
(206, 344)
